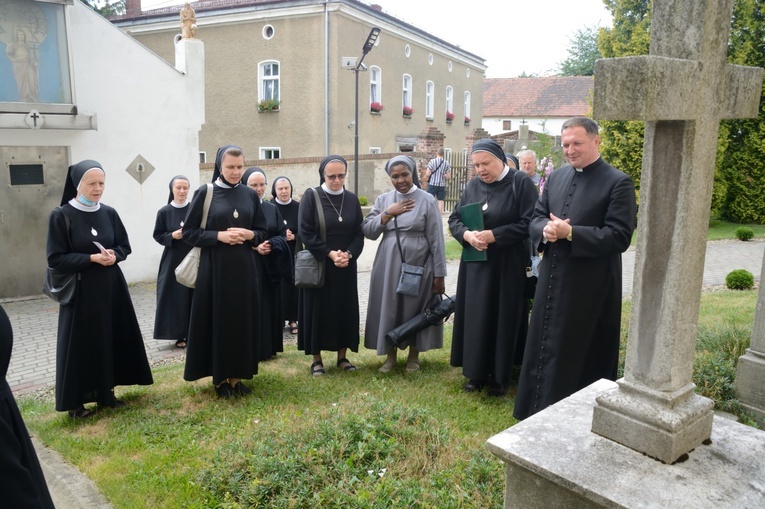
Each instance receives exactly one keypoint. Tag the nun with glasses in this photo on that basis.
(329, 316)
(281, 190)
(420, 239)
(273, 263)
(99, 341)
(490, 293)
(224, 340)
(171, 320)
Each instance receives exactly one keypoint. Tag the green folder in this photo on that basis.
(472, 217)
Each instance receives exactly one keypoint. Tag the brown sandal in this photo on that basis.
(80, 413)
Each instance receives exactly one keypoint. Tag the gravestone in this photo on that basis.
(681, 90)
(750, 371)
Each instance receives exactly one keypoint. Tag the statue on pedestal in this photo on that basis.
(188, 22)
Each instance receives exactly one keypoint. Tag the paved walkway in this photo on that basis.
(34, 320)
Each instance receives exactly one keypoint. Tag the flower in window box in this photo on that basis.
(376, 107)
(407, 111)
(467, 120)
(449, 116)
(268, 105)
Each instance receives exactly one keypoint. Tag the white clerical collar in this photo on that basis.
(222, 184)
(283, 202)
(85, 208)
(504, 173)
(186, 202)
(330, 191)
(580, 170)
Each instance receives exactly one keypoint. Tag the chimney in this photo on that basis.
(132, 8)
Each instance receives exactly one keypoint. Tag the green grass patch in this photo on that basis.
(359, 440)
(723, 230)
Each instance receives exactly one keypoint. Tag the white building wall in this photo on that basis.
(549, 126)
(143, 106)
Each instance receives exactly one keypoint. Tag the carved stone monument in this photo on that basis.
(750, 371)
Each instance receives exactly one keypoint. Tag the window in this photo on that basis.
(268, 32)
(374, 150)
(202, 157)
(449, 65)
(430, 59)
(449, 100)
(270, 153)
(507, 125)
(467, 106)
(429, 100)
(407, 51)
(406, 92)
(375, 85)
(268, 81)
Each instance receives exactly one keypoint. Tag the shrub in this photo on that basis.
(363, 201)
(739, 279)
(744, 233)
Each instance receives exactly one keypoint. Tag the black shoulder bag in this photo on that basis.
(411, 275)
(309, 272)
(62, 287)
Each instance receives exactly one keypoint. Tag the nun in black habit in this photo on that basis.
(22, 482)
(269, 281)
(281, 190)
(171, 320)
(99, 341)
(223, 332)
(329, 316)
(490, 303)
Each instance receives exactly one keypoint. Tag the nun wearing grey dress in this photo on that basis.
(415, 213)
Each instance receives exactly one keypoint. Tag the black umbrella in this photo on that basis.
(436, 313)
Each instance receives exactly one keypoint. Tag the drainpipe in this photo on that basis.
(326, 79)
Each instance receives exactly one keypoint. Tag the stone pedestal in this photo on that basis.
(750, 370)
(554, 461)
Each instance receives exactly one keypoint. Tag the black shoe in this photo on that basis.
(473, 386)
(241, 390)
(497, 390)
(224, 390)
(112, 402)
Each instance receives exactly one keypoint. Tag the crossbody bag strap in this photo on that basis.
(398, 242)
(68, 224)
(206, 206)
(320, 210)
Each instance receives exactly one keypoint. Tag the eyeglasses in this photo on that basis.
(339, 176)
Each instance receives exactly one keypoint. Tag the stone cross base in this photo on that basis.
(662, 425)
(554, 461)
(750, 389)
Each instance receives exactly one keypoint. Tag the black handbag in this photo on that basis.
(309, 271)
(62, 287)
(438, 312)
(411, 275)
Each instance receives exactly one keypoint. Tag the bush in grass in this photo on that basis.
(739, 279)
(714, 368)
(744, 233)
(364, 201)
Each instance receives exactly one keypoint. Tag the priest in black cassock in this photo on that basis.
(490, 304)
(582, 223)
(99, 343)
(171, 320)
(22, 483)
(224, 340)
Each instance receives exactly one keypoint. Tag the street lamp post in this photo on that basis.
(371, 38)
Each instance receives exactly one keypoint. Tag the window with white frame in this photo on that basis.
(406, 93)
(449, 100)
(375, 85)
(374, 150)
(268, 81)
(270, 153)
(202, 157)
(467, 106)
(429, 100)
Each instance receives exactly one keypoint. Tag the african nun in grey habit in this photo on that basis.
(329, 316)
(273, 263)
(420, 241)
(281, 190)
(171, 320)
(224, 340)
(99, 341)
(497, 208)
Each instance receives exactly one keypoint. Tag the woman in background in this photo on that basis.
(281, 190)
(329, 316)
(171, 320)
(223, 332)
(99, 341)
(416, 215)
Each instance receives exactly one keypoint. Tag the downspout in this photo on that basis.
(326, 79)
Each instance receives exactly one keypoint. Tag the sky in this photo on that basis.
(512, 36)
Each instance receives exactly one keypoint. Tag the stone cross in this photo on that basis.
(750, 370)
(681, 90)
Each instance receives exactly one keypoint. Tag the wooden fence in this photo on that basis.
(456, 184)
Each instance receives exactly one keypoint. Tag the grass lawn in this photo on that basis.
(361, 440)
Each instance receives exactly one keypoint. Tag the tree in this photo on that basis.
(582, 53)
(742, 161)
(107, 8)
